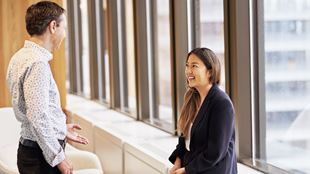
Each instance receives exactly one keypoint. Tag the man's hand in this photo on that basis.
(65, 167)
(73, 135)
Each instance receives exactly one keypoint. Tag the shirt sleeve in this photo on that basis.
(36, 93)
(221, 130)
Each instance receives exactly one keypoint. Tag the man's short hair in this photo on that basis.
(39, 16)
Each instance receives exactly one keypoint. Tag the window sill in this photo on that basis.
(138, 137)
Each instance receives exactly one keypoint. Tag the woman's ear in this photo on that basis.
(209, 72)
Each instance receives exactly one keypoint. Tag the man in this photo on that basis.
(35, 97)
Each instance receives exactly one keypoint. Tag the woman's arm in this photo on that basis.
(179, 152)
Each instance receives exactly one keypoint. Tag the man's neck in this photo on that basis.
(43, 42)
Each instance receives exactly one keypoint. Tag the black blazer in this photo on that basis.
(212, 144)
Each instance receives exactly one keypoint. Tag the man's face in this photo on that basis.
(60, 32)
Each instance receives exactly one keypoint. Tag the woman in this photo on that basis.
(206, 124)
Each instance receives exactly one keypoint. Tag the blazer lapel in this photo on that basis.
(202, 110)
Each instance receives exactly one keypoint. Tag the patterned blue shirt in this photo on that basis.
(36, 101)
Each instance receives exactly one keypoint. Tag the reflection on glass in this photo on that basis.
(287, 82)
(85, 48)
(212, 30)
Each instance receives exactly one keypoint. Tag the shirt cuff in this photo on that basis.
(58, 158)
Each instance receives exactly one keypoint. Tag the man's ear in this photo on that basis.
(52, 26)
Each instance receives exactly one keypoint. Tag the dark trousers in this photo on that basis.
(31, 161)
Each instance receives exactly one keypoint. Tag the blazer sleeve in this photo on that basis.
(221, 125)
(179, 151)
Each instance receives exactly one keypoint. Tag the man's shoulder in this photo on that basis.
(27, 57)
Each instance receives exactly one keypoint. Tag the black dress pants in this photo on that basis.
(30, 160)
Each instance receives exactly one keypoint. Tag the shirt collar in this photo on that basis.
(46, 55)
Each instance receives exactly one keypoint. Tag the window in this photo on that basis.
(286, 60)
(78, 54)
(154, 67)
(162, 63)
(122, 60)
(85, 48)
(102, 51)
(160, 66)
(287, 82)
(211, 35)
(130, 98)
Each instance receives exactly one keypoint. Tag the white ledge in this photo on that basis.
(136, 136)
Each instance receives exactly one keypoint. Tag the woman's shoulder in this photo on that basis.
(220, 97)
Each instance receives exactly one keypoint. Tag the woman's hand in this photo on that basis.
(173, 169)
(180, 171)
(177, 165)
(73, 135)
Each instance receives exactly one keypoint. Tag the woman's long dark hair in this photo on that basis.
(192, 98)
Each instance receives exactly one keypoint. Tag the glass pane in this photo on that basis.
(212, 30)
(85, 48)
(130, 52)
(287, 82)
(163, 112)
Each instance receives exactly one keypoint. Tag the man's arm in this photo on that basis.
(36, 93)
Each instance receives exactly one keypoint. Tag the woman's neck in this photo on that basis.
(203, 92)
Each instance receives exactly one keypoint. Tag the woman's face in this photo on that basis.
(196, 73)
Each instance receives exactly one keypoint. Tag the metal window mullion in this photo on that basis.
(258, 113)
(191, 21)
(120, 53)
(182, 44)
(103, 48)
(172, 65)
(260, 91)
(124, 53)
(150, 65)
(194, 24)
(99, 33)
(240, 89)
(79, 49)
(93, 47)
(114, 56)
(77, 36)
(227, 58)
(143, 106)
(72, 56)
(121, 27)
(154, 71)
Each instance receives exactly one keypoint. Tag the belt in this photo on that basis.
(34, 144)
